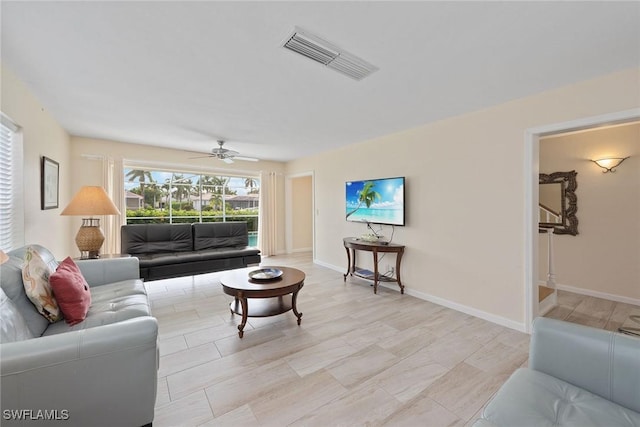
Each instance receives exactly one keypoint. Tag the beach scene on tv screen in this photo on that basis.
(385, 199)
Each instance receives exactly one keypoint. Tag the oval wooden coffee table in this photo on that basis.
(262, 298)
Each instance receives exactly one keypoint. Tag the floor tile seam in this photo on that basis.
(190, 367)
(272, 389)
(284, 356)
(359, 383)
(314, 408)
(598, 316)
(186, 341)
(484, 403)
(414, 400)
(507, 344)
(347, 392)
(174, 399)
(613, 309)
(203, 388)
(497, 371)
(380, 376)
(323, 368)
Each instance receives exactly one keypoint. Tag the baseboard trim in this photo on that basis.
(499, 320)
(547, 304)
(278, 252)
(330, 266)
(295, 251)
(598, 294)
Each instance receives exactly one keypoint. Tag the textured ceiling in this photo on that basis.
(183, 74)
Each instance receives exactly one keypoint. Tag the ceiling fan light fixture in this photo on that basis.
(226, 155)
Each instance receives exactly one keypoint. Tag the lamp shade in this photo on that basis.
(91, 200)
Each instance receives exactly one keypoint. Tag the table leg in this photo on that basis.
(398, 258)
(245, 309)
(294, 298)
(375, 272)
(349, 270)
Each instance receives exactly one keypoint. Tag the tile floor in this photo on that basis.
(356, 359)
(591, 311)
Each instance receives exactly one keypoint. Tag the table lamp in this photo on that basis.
(90, 200)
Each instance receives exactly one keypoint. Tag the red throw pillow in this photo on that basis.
(71, 291)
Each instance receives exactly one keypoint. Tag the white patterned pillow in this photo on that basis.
(35, 277)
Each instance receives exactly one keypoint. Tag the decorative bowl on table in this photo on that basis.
(371, 237)
(265, 274)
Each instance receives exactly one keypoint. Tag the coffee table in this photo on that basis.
(262, 298)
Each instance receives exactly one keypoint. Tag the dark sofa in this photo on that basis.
(174, 250)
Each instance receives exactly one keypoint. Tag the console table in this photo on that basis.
(353, 244)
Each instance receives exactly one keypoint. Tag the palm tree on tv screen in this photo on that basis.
(367, 196)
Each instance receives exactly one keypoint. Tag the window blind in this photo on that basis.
(11, 200)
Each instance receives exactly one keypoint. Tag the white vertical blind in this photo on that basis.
(11, 200)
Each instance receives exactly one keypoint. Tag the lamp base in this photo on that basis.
(90, 238)
(89, 254)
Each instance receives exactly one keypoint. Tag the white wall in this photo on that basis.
(605, 256)
(42, 136)
(465, 244)
(302, 214)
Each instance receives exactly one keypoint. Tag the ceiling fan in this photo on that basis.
(226, 155)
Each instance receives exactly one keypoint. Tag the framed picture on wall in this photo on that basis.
(49, 184)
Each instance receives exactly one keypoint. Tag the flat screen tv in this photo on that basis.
(378, 201)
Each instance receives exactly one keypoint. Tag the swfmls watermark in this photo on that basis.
(35, 414)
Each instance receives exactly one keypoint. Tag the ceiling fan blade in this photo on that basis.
(246, 159)
(227, 160)
(201, 157)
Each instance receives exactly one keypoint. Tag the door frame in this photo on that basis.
(532, 170)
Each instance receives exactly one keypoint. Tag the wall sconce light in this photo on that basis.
(610, 163)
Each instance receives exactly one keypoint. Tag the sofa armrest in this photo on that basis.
(603, 362)
(94, 374)
(99, 272)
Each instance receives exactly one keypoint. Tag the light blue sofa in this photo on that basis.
(99, 372)
(577, 376)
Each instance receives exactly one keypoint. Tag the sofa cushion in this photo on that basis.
(11, 275)
(110, 304)
(532, 398)
(220, 253)
(13, 327)
(220, 235)
(163, 259)
(71, 291)
(35, 277)
(167, 258)
(155, 238)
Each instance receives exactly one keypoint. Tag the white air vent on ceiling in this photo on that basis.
(313, 47)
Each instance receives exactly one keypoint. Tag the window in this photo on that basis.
(11, 201)
(156, 196)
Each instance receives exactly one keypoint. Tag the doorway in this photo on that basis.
(532, 169)
(300, 235)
